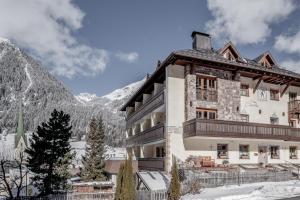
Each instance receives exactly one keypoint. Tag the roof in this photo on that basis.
(212, 56)
(154, 180)
(113, 166)
(94, 183)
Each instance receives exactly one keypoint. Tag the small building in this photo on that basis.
(112, 168)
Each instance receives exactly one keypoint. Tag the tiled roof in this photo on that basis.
(211, 55)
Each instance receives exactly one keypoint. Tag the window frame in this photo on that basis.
(206, 88)
(209, 112)
(244, 155)
(221, 150)
(295, 154)
(277, 152)
(276, 97)
(244, 89)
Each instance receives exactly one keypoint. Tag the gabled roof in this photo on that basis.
(232, 48)
(209, 55)
(268, 56)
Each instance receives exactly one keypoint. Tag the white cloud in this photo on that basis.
(288, 44)
(246, 21)
(292, 65)
(128, 57)
(46, 28)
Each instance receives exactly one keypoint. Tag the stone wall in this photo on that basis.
(228, 104)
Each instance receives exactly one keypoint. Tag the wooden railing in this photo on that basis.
(152, 103)
(207, 94)
(152, 134)
(235, 129)
(151, 164)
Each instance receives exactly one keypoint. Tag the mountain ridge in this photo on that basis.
(23, 79)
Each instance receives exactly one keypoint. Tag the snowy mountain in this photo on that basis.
(24, 80)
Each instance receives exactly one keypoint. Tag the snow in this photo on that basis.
(4, 40)
(122, 93)
(111, 153)
(7, 144)
(30, 82)
(85, 97)
(154, 180)
(253, 191)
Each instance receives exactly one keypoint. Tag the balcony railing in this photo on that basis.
(152, 103)
(234, 129)
(207, 94)
(151, 164)
(294, 106)
(152, 134)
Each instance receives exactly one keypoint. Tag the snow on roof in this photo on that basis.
(94, 183)
(154, 180)
(7, 143)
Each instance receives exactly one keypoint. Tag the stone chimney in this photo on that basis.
(201, 41)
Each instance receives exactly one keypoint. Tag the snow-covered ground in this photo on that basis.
(254, 191)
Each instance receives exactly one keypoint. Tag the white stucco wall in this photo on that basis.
(205, 146)
(252, 104)
(175, 108)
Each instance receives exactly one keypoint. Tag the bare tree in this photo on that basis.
(10, 182)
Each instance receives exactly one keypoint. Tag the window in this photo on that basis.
(292, 96)
(274, 152)
(222, 151)
(206, 113)
(244, 118)
(274, 120)
(206, 88)
(244, 151)
(244, 90)
(293, 152)
(274, 95)
(160, 152)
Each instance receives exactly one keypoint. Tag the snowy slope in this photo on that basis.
(23, 79)
(124, 92)
(253, 191)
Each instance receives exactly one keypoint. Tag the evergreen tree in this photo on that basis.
(128, 192)
(125, 182)
(174, 188)
(48, 147)
(120, 182)
(94, 156)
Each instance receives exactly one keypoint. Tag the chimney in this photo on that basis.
(201, 41)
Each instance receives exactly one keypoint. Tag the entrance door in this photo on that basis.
(263, 155)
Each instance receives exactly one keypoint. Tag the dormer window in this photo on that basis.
(265, 60)
(230, 52)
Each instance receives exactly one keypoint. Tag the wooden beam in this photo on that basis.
(284, 90)
(257, 77)
(257, 84)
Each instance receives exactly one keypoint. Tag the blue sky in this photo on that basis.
(98, 46)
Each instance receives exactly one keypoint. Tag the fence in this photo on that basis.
(74, 196)
(151, 195)
(215, 179)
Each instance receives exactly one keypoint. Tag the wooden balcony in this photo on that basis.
(207, 95)
(294, 108)
(234, 129)
(152, 134)
(152, 164)
(154, 102)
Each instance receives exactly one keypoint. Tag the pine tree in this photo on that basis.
(48, 146)
(120, 182)
(129, 183)
(94, 157)
(174, 189)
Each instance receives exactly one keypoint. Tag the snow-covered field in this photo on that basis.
(254, 191)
